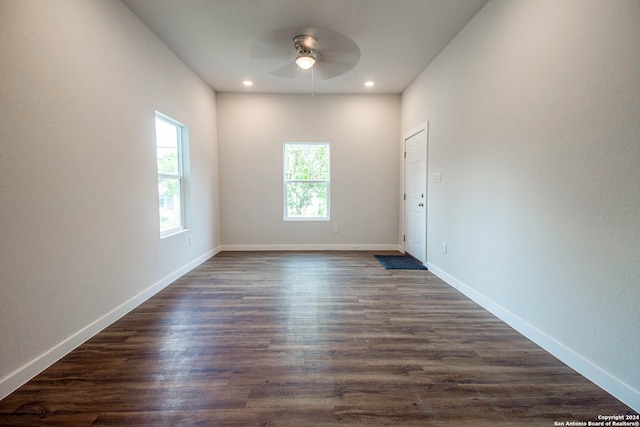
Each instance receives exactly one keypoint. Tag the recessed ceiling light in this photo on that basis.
(370, 83)
(247, 83)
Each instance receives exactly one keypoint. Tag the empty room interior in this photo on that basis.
(225, 274)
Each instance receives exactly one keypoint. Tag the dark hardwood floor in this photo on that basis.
(307, 339)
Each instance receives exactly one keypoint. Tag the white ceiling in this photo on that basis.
(228, 41)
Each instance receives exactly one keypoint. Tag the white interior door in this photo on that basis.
(415, 200)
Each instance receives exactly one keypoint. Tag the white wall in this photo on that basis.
(79, 84)
(364, 133)
(534, 113)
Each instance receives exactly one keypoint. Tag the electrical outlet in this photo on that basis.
(336, 229)
(444, 248)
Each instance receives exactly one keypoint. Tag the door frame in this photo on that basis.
(422, 127)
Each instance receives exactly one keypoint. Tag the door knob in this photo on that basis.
(420, 204)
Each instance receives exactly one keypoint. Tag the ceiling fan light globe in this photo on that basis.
(305, 62)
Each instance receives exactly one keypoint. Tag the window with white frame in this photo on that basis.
(306, 181)
(170, 145)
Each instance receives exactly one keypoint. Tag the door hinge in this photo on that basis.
(404, 238)
(405, 154)
(404, 196)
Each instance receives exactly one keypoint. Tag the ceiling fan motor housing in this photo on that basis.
(306, 45)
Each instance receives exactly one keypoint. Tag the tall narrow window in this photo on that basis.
(169, 148)
(306, 181)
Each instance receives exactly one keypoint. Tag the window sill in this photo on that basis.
(306, 219)
(172, 233)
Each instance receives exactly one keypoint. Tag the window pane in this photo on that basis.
(170, 196)
(307, 199)
(167, 147)
(307, 162)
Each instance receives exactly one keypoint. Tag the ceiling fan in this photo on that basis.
(328, 52)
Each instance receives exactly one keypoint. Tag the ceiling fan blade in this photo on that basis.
(339, 54)
(274, 44)
(337, 44)
(330, 66)
(288, 71)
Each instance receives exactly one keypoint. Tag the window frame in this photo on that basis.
(286, 181)
(180, 176)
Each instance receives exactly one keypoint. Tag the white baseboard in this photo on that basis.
(589, 370)
(354, 247)
(22, 375)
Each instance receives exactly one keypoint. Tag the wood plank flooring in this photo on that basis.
(307, 339)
